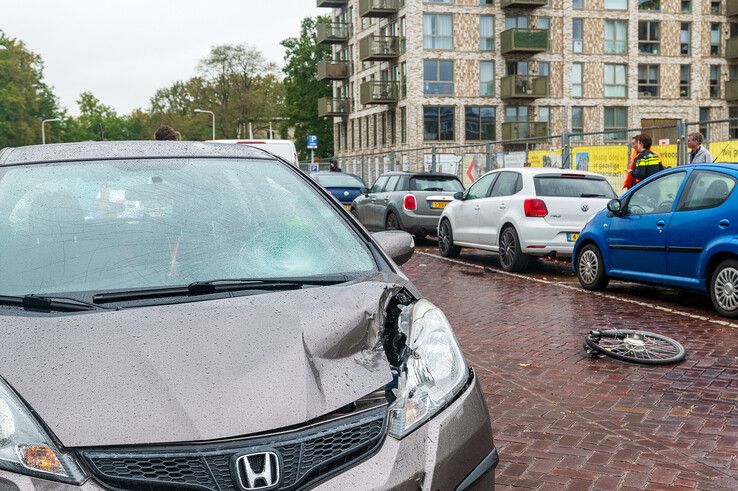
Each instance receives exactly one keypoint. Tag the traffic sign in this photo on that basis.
(313, 168)
(312, 142)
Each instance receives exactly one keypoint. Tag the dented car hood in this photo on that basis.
(203, 370)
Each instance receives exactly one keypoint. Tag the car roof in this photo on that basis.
(533, 171)
(252, 141)
(419, 174)
(69, 152)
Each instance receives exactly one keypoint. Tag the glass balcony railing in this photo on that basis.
(333, 106)
(333, 32)
(524, 130)
(731, 48)
(379, 48)
(523, 3)
(377, 8)
(731, 8)
(524, 40)
(523, 87)
(731, 90)
(333, 70)
(385, 92)
(332, 4)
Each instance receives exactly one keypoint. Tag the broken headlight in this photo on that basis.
(434, 371)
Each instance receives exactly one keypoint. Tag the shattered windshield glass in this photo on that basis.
(93, 226)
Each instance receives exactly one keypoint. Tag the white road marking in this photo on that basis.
(581, 290)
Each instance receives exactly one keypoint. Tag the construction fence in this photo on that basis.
(605, 153)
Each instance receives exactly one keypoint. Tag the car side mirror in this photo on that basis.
(615, 206)
(398, 245)
(364, 191)
(459, 195)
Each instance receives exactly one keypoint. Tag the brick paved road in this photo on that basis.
(565, 421)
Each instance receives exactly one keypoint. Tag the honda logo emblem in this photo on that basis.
(585, 208)
(258, 471)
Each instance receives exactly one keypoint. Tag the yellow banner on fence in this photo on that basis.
(724, 151)
(544, 158)
(668, 153)
(606, 159)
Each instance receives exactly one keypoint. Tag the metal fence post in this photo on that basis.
(527, 149)
(393, 158)
(488, 163)
(566, 151)
(681, 142)
(363, 176)
(434, 156)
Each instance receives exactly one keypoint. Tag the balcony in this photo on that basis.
(379, 48)
(332, 4)
(523, 87)
(731, 48)
(379, 92)
(524, 40)
(333, 32)
(731, 90)
(333, 106)
(523, 130)
(333, 70)
(523, 4)
(731, 8)
(377, 8)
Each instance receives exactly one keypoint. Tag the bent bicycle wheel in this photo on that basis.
(643, 347)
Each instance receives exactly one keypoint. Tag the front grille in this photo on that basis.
(306, 456)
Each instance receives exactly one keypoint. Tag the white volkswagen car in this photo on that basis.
(523, 213)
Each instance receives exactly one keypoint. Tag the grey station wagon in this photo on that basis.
(406, 201)
(201, 316)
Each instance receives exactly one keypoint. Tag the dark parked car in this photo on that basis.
(407, 201)
(343, 186)
(192, 316)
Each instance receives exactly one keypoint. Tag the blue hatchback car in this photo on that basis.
(678, 228)
(343, 186)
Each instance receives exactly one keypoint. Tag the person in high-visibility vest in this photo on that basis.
(646, 163)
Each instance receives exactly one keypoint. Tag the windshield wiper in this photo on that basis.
(214, 286)
(592, 195)
(48, 303)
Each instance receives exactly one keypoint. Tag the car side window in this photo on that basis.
(391, 184)
(480, 188)
(507, 185)
(706, 189)
(657, 196)
(379, 184)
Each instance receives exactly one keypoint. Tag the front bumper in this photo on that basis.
(454, 450)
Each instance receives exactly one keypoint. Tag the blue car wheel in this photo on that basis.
(724, 288)
(591, 268)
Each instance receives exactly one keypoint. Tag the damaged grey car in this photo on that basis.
(199, 316)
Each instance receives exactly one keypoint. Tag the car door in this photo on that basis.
(466, 212)
(373, 213)
(364, 205)
(636, 239)
(383, 199)
(702, 215)
(494, 207)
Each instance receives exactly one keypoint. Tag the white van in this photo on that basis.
(281, 148)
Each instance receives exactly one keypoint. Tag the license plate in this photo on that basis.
(572, 237)
(436, 205)
(347, 207)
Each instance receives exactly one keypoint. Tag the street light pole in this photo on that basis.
(43, 128)
(212, 114)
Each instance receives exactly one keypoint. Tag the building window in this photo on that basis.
(438, 123)
(403, 79)
(440, 1)
(403, 124)
(487, 78)
(519, 22)
(358, 134)
(616, 123)
(383, 136)
(517, 114)
(576, 80)
(733, 123)
(616, 36)
(685, 39)
(544, 68)
(703, 119)
(648, 37)
(486, 33)
(480, 123)
(544, 114)
(366, 133)
(577, 122)
(615, 80)
(715, 39)
(649, 5)
(716, 7)
(648, 80)
(392, 116)
(685, 79)
(686, 5)
(577, 35)
(616, 4)
(715, 81)
(438, 31)
(577, 4)
(486, 2)
(438, 76)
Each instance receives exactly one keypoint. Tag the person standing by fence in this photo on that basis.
(629, 181)
(698, 154)
(646, 163)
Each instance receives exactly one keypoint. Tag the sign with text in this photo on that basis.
(312, 142)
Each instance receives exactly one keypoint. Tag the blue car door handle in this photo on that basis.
(660, 224)
(724, 223)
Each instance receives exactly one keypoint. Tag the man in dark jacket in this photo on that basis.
(646, 162)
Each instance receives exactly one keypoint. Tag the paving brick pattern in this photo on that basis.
(565, 421)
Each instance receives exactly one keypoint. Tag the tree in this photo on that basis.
(302, 88)
(25, 99)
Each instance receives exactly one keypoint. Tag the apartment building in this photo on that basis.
(413, 73)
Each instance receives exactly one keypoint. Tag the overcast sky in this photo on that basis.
(124, 50)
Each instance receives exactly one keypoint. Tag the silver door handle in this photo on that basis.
(476, 207)
(503, 206)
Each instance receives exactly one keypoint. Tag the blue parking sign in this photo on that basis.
(312, 142)
(313, 168)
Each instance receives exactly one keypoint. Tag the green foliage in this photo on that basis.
(302, 89)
